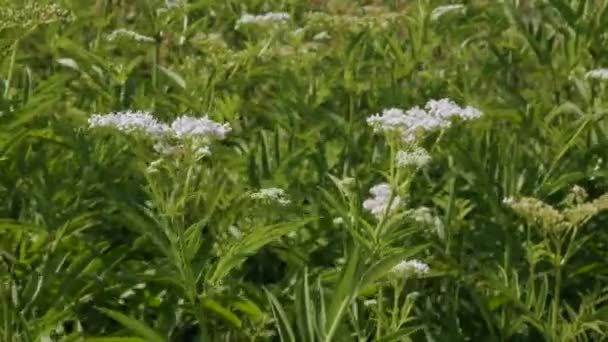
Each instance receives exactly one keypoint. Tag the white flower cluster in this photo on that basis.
(408, 267)
(124, 33)
(437, 114)
(270, 17)
(271, 194)
(417, 157)
(601, 74)
(191, 127)
(199, 131)
(424, 216)
(378, 204)
(129, 122)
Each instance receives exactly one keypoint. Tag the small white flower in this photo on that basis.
(270, 17)
(422, 215)
(271, 194)
(447, 109)
(508, 201)
(417, 157)
(129, 122)
(379, 202)
(321, 36)
(153, 167)
(235, 232)
(370, 302)
(437, 114)
(338, 221)
(124, 33)
(389, 120)
(601, 74)
(191, 127)
(166, 149)
(407, 267)
(202, 151)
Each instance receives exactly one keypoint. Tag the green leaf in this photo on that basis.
(383, 266)
(403, 332)
(305, 313)
(137, 327)
(249, 308)
(173, 76)
(343, 294)
(221, 311)
(251, 243)
(283, 324)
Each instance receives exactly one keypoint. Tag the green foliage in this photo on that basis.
(272, 234)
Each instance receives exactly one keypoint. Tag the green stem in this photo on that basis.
(379, 313)
(557, 292)
(397, 293)
(11, 66)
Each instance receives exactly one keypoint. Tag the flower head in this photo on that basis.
(379, 203)
(271, 194)
(417, 158)
(447, 109)
(191, 127)
(601, 74)
(129, 122)
(389, 120)
(269, 17)
(128, 34)
(409, 267)
(437, 114)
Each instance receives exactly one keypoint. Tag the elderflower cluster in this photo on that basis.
(270, 17)
(271, 195)
(417, 158)
(198, 132)
(535, 210)
(382, 197)
(129, 122)
(581, 212)
(601, 74)
(409, 267)
(191, 127)
(27, 15)
(575, 214)
(437, 114)
(128, 34)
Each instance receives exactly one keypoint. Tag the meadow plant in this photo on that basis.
(367, 171)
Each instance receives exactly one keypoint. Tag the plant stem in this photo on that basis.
(11, 66)
(557, 291)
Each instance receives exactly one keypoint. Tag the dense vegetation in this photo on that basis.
(302, 170)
